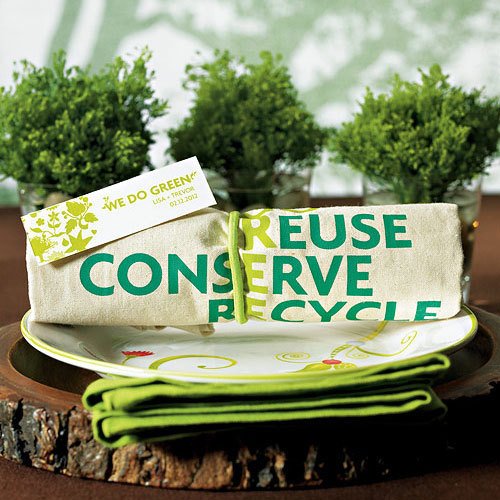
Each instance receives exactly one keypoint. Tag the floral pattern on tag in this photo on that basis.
(66, 225)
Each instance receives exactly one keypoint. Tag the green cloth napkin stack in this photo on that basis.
(131, 410)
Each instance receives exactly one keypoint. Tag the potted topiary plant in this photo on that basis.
(423, 142)
(65, 131)
(250, 132)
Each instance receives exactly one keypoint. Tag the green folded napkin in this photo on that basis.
(130, 410)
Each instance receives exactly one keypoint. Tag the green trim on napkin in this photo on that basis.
(130, 410)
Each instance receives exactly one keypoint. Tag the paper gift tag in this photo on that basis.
(116, 211)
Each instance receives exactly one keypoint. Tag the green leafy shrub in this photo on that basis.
(246, 122)
(421, 139)
(75, 129)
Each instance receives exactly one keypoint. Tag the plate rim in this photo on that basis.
(129, 371)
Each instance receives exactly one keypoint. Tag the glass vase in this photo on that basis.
(468, 201)
(284, 190)
(33, 197)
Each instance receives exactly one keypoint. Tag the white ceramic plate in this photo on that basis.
(255, 351)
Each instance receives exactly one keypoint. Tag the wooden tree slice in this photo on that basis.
(44, 425)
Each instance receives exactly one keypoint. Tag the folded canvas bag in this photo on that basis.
(400, 262)
(394, 262)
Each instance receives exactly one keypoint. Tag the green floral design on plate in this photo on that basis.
(229, 361)
(351, 349)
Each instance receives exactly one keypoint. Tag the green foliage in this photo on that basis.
(245, 121)
(423, 138)
(78, 130)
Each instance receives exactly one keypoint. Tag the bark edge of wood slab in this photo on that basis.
(43, 425)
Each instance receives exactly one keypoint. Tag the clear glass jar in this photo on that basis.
(468, 200)
(285, 190)
(34, 197)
